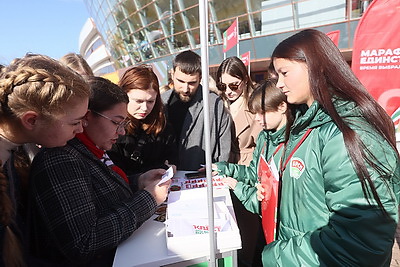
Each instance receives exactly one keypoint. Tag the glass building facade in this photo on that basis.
(153, 31)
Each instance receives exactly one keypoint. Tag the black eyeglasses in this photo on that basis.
(232, 86)
(120, 125)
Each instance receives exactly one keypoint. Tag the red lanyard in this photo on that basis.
(283, 166)
(276, 151)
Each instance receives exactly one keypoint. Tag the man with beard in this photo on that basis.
(184, 111)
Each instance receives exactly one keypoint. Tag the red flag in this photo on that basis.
(231, 36)
(376, 53)
(269, 204)
(245, 58)
(334, 35)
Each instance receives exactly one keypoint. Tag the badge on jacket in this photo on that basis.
(297, 167)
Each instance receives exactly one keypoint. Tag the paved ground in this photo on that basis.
(396, 248)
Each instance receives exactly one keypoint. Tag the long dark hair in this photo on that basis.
(235, 67)
(330, 76)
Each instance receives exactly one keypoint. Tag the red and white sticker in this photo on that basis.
(297, 167)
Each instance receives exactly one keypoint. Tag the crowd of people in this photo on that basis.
(82, 157)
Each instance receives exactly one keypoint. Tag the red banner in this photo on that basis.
(231, 36)
(376, 53)
(334, 35)
(246, 58)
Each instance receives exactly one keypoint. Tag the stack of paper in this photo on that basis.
(187, 221)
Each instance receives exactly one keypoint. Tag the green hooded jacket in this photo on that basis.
(267, 143)
(325, 219)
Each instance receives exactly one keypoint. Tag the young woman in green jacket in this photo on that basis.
(268, 104)
(340, 168)
(271, 111)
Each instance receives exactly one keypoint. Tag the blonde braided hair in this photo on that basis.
(41, 84)
(32, 83)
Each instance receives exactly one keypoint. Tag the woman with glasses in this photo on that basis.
(272, 112)
(235, 87)
(149, 142)
(84, 206)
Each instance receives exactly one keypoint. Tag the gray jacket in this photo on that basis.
(191, 143)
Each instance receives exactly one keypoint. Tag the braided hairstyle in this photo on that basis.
(38, 83)
(32, 83)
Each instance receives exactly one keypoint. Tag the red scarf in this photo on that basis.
(100, 154)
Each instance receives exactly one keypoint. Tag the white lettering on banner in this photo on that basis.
(232, 34)
(384, 67)
(380, 52)
(368, 67)
(380, 56)
(389, 67)
(379, 60)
